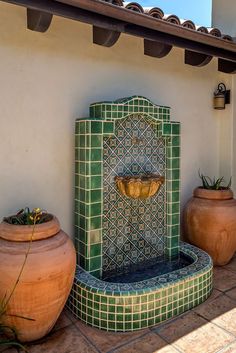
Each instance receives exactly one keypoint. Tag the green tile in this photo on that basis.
(175, 141)
(87, 127)
(95, 168)
(175, 151)
(175, 196)
(96, 154)
(96, 141)
(96, 182)
(103, 307)
(95, 250)
(166, 129)
(96, 196)
(175, 129)
(108, 127)
(96, 127)
(175, 163)
(111, 309)
(76, 167)
(82, 168)
(95, 222)
(77, 154)
(95, 263)
(94, 209)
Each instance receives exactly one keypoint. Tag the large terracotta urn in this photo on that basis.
(46, 279)
(210, 223)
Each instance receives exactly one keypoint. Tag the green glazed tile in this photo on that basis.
(96, 127)
(175, 128)
(96, 141)
(95, 250)
(95, 168)
(96, 196)
(166, 129)
(108, 128)
(95, 223)
(95, 263)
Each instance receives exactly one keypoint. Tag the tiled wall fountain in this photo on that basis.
(133, 272)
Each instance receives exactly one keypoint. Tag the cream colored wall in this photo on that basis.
(223, 17)
(48, 80)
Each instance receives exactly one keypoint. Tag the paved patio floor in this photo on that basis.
(209, 328)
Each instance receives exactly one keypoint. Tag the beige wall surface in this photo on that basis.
(48, 80)
(223, 17)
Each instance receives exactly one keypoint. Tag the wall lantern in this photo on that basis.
(221, 97)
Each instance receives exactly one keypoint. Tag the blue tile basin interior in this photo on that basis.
(133, 271)
(150, 270)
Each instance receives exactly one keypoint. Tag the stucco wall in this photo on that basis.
(48, 80)
(223, 17)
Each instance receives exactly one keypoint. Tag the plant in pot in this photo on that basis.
(34, 294)
(210, 219)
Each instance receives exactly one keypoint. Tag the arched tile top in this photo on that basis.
(124, 107)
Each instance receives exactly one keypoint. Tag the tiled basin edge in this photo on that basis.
(133, 306)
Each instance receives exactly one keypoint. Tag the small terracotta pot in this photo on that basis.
(46, 280)
(210, 223)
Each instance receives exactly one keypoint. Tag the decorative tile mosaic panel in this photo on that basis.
(133, 230)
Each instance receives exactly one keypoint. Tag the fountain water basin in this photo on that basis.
(133, 306)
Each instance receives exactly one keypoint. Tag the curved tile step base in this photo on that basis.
(132, 306)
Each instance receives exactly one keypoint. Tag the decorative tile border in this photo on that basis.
(124, 107)
(133, 306)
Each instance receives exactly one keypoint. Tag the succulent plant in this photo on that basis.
(214, 184)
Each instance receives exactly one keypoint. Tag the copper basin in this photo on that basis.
(139, 186)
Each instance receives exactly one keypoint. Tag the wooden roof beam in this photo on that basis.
(156, 49)
(226, 66)
(196, 59)
(104, 37)
(38, 21)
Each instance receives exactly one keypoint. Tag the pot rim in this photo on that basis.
(15, 232)
(223, 194)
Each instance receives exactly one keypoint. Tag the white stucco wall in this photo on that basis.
(223, 17)
(48, 80)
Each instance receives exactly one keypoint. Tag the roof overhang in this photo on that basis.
(109, 21)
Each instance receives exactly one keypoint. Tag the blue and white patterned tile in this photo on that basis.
(134, 149)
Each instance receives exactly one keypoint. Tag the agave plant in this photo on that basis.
(214, 184)
(8, 335)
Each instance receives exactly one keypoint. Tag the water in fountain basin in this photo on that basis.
(149, 270)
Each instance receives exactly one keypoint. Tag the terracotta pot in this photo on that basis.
(46, 280)
(210, 223)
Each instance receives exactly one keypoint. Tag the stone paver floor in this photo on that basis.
(208, 328)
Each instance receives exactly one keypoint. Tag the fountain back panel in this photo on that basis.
(133, 272)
